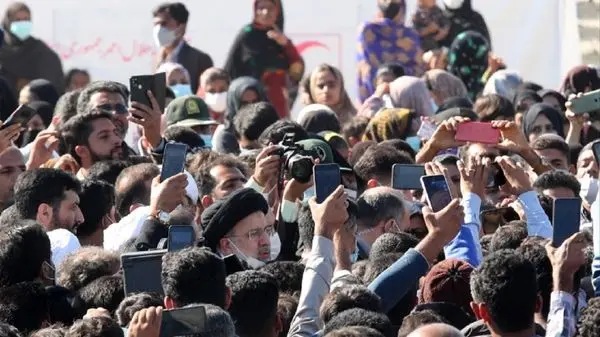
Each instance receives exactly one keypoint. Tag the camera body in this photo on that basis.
(295, 159)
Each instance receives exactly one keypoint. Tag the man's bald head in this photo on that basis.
(436, 330)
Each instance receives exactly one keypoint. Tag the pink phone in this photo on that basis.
(477, 132)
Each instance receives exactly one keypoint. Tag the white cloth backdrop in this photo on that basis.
(113, 38)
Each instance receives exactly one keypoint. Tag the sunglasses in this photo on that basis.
(117, 108)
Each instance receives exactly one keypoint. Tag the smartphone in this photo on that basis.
(327, 178)
(426, 130)
(496, 178)
(566, 219)
(188, 321)
(437, 192)
(477, 132)
(407, 177)
(141, 271)
(21, 115)
(588, 102)
(180, 237)
(232, 264)
(139, 85)
(596, 149)
(173, 160)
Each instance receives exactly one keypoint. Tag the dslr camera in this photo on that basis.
(297, 161)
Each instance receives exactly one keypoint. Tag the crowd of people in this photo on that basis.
(80, 186)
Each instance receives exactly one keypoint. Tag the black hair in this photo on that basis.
(66, 107)
(589, 321)
(107, 170)
(24, 247)
(418, 319)
(508, 237)
(85, 265)
(194, 275)
(184, 135)
(377, 163)
(554, 142)
(131, 187)
(358, 150)
(506, 283)
(83, 102)
(491, 107)
(392, 243)
(95, 327)
(134, 303)
(348, 297)
(24, 305)
(57, 330)
(361, 317)
(9, 216)
(536, 254)
(547, 204)
(400, 145)
(42, 186)
(77, 130)
(249, 288)
(274, 134)
(356, 127)
(485, 241)
(7, 330)
(286, 309)
(96, 200)
(288, 275)
(354, 331)
(251, 120)
(556, 179)
(375, 206)
(202, 163)
(72, 72)
(394, 69)
(104, 292)
(65, 306)
(306, 226)
(176, 10)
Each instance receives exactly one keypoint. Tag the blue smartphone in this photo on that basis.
(588, 102)
(180, 237)
(327, 179)
(173, 160)
(566, 219)
(437, 192)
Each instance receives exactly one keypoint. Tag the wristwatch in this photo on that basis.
(161, 216)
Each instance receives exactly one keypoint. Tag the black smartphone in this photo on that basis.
(496, 177)
(437, 192)
(327, 178)
(407, 177)
(141, 271)
(232, 264)
(173, 160)
(189, 321)
(139, 85)
(21, 115)
(566, 219)
(180, 237)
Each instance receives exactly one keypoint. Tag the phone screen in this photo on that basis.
(180, 237)
(477, 132)
(407, 177)
(141, 272)
(566, 219)
(21, 115)
(437, 191)
(188, 321)
(327, 178)
(173, 160)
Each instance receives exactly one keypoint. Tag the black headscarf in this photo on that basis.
(542, 109)
(455, 102)
(234, 96)
(579, 79)
(44, 91)
(464, 19)
(557, 95)
(44, 110)
(521, 96)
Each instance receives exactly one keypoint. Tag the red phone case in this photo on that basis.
(477, 132)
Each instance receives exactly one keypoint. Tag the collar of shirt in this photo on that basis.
(174, 55)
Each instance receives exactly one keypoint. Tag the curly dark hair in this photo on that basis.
(348, 297)
(589, 321)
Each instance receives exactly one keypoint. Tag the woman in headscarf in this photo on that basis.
(468, 60)
(405, 92)
(443, 85)
(455, 102)
(38, 123)
(395, 123)
(242, 91)
(523, 101)
(316, 118)
(326, 86)
(178, 78)
(541, 119)
(386, 39)
(261, 50)
(504, 83)
(23, 57)
(580, 79)
(463, 18)
(554, 98)
(39, 90)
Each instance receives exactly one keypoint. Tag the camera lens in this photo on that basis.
(300, 168)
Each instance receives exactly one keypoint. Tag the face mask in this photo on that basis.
(217, 102)
(21, 29)
(354, 255)
(181, 89)
(275, 246)
(434, 106)
(253, 262)
(453, 4)
(589, 189)
(309, 193)
(391, 10)
(207, 140)
(163, 37)
(387, 101)
(414, 142)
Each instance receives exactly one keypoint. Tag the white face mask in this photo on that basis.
(253, 262)
(217, 102)
(275, 246)
(453, 4)
(163, 37)
(589, 189)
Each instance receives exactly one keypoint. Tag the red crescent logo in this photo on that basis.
(303, 46)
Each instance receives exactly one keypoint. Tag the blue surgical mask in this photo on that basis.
(207, 140)
(354, 256)
(21, 29)
(181, 89)
(434, 106)
(414, 142)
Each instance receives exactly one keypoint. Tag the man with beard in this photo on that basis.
(90, 138)
(11, 165)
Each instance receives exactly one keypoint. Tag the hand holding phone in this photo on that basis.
(426, 130)
(585, 103)
(173, 160)
(407, 177)
(327, 178)
(20, 116)
(437, 192)
(188, 321)
(477, 132)
(140, 85)
(566, 219)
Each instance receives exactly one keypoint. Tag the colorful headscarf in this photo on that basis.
(389, 124)
(468, 59)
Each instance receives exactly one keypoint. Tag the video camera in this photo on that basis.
(295, 159)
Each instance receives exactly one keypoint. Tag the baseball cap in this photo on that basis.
(319, 147)
(188, 111)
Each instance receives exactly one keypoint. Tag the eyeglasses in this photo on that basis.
(117, 108)
(256, 234)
